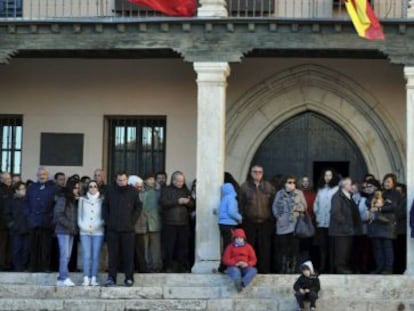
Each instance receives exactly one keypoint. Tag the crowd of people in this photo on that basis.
(42, 222)
(149, 226)
(360, 227)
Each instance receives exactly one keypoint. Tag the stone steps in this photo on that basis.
(154, 292)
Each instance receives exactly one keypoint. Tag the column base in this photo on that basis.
(205, 266)
(409, 271)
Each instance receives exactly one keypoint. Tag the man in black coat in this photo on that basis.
(6, 193)
(121, 209)
(345, 223)
(176, 204)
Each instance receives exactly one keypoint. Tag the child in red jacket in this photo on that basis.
(240, 259)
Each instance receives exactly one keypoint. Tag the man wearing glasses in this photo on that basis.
(256, 197)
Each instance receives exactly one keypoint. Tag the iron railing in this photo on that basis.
(296, 9)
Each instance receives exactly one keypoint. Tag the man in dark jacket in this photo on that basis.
(256, 198)
(16, 220)
(345, 223)
(40, 200)
(5, 194)
(176, 203)
(121, 209)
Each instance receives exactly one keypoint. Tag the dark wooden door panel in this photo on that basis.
(295, 146)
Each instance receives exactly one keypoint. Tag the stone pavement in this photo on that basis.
(169, 292)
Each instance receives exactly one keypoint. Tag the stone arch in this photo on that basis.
(315, 88)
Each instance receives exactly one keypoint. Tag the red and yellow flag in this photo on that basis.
(170, 7)
(363, 17)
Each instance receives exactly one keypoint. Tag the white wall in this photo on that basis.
(73, 95)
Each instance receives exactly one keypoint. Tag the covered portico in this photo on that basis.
(211, 153)
(212, 42)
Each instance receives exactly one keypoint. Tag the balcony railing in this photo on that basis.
(296, 9)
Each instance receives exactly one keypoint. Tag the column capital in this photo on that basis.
(212, 8)
(212, 72)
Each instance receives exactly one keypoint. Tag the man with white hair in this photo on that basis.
(40, 205)
(345, 223)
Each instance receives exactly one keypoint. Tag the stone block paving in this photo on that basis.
(189, 292)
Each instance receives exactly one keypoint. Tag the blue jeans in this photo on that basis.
(246, 275)
(65, 251)
(91, 250)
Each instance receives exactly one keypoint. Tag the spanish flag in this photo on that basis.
(363, 17)
(170, 7)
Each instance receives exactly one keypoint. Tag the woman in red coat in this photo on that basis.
(240, 259)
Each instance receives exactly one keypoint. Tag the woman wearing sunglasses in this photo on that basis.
(90, 222)
(288, 203)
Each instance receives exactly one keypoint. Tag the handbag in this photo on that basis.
(304, 227)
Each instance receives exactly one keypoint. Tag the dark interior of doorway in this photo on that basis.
(341, 168)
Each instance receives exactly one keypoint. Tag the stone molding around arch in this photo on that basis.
(320, 89)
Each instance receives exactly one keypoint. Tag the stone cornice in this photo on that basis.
(198, 39)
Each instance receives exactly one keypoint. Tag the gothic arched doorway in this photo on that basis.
(307, 143)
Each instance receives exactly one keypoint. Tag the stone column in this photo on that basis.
(410, 10)
(212, 8)
(211, 117)
(409, 75)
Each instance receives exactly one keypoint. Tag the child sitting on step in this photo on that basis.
(307, 286)
(240, 259)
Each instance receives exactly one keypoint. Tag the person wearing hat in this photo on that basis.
(240, 259)
(307, 286)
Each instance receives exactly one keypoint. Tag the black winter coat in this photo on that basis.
(5, 194)
(173, 213)
(379, 228)
(121, 208)
(345, 218)
(17, 216)
(312, 283)
(401, 216)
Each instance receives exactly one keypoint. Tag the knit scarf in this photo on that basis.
(286, 202)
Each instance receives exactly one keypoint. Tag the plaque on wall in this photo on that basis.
(61, 149)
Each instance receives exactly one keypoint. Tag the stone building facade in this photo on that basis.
(222, 83)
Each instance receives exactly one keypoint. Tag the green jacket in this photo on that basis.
(150, 220)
